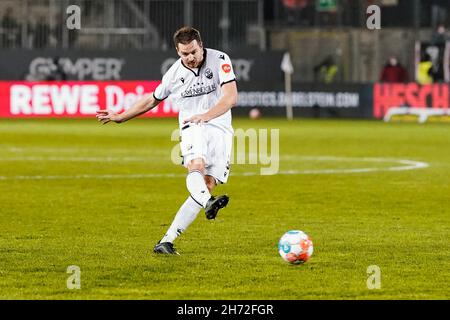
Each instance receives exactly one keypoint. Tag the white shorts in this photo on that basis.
(210, 143)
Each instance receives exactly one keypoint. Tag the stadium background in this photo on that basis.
(60, 205)
(131, 40)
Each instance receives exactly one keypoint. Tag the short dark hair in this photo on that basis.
(185, 35)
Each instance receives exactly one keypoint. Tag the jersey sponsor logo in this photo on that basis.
(182, 80)
(208, 73)
(222, 57)
(226, 68)
(195, 92)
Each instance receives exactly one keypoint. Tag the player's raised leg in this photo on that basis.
(191, 207)
(215, 203)
(184, 217)
(195, 182)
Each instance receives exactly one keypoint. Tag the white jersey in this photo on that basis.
(195, 91)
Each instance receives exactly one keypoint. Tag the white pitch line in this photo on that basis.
(167, 157)
(405, 165)
(95, 176)
(82, 159)
(140, 150)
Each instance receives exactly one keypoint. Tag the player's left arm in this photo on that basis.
(225, 103)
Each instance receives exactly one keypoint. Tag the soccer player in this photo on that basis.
(202, 85)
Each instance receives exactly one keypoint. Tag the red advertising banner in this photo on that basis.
(386, 96)
(76, 98)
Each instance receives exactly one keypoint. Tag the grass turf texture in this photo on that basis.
(398, 220)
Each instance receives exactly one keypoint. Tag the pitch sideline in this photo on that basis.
(404, 166)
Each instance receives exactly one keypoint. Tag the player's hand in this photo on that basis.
(198, 118)
(105, 116)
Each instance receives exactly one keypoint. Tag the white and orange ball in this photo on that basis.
(295, 247)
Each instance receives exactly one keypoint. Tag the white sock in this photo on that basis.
(184, 217)
(195, 182)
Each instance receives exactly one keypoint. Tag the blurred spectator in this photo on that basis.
(425, 74)
(10, 30)
(394, 72)
(439, 36)
(326, 70)
(436, 50)
(438, 11)
(41, 34)
(295, 4)
(297, 11)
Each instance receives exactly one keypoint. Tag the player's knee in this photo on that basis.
(210, 182)
(210, 186)
(197, 164)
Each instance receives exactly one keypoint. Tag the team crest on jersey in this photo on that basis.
(208, 73)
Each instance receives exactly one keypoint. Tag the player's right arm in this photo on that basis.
(146, 103)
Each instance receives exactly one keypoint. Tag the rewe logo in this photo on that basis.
(73, 98)
(43, 99)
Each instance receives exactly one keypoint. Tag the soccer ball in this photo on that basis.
(295, 247)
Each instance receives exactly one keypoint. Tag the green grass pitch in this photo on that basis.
(74, 192)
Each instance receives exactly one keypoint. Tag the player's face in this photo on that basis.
(191, 54)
